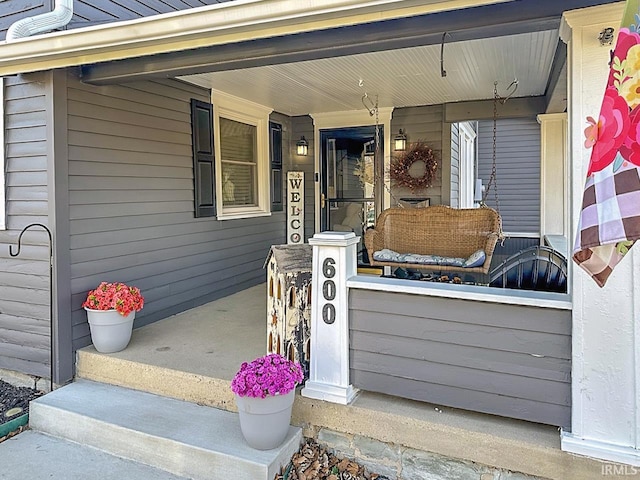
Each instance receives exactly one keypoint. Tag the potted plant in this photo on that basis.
(265, 390)
(111, 309)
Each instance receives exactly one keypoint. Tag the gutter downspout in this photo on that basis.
(58, 17)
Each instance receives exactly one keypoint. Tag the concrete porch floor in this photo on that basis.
(193, 356)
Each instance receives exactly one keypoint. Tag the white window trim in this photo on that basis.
(240, 110)
(467, 153)
(3, 200)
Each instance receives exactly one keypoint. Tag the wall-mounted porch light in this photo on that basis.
(302, 147)
(400, 142)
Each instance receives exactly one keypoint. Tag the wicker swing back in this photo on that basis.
(437, 230)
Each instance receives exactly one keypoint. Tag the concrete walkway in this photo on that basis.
(35, 456)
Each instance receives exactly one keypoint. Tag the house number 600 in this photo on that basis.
(329, 290)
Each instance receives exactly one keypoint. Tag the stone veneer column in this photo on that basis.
(334, 261)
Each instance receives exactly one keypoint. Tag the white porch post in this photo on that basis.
(553, 174)
(334, 261)
(605, 379)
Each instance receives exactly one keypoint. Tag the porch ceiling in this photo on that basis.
(400, 78)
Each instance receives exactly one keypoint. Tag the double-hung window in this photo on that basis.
(242, 157)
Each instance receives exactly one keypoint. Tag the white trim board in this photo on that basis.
(558, 301)
(205, 26)
(602, 450)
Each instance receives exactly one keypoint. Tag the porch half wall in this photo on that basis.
(508, 360)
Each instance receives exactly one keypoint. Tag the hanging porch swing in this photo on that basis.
(439, 237)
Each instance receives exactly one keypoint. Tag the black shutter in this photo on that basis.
(203, 158)
(275, 152)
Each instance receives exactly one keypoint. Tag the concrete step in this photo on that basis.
(414, 427)
(35, 456)
(179, 437)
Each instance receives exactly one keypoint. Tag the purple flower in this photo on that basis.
(271, 374)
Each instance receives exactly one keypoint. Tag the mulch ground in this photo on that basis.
(312, 462)
(14, 402)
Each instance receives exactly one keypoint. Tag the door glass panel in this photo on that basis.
(349, 176)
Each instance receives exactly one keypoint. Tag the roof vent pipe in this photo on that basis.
(58, 17)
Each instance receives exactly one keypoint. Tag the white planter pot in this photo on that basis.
(265, 421)
(110, 331)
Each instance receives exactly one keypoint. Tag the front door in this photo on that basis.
(351, 170)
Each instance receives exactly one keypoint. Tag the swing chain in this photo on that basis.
(493, 179)
(377, 159)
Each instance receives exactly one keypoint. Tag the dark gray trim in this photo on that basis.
(58, 173)
(559, 62)
(276, 167)
(204, 165)
(526, 107)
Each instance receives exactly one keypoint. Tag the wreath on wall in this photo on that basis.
(415, 168)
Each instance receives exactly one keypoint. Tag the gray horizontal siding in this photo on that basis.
(131, 208)
(507, 360)
(421, 124)
(24, 280)
(518, 171)
(303, 125)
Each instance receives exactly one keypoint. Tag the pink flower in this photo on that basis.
(630, 149)
(591, 133)
(272, 374)
(118, 296)
(608, 134)
(626, 40)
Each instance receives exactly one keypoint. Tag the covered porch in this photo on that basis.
(124, 108)
(193, 356)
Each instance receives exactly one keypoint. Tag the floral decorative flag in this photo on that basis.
(609, 221)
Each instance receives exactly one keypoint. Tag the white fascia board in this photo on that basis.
(205, 26)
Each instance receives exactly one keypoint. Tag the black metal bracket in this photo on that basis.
(11, 252)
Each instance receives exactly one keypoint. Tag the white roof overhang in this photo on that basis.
(206, 26)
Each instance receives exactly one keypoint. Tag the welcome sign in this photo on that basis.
(295, 207)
